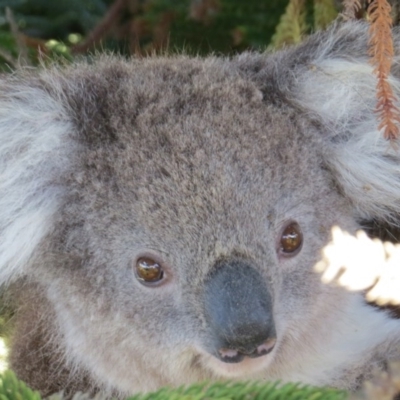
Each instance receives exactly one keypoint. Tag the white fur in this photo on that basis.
(341, 91)
(343, 341)
(34, 130)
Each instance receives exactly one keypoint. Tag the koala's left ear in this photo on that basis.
(330, 79)
(36, 151)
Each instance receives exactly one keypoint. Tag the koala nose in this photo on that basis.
(238, 309)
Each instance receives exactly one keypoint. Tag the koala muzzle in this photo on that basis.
(238, 308)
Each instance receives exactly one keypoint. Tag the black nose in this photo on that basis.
(238, 307)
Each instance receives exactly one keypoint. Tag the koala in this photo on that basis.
(160, 218)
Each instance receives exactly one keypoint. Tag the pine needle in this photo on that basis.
(12, 388)
(324, 13)
(292, 25)
(350, 8)
(381, 50)
(244, 391)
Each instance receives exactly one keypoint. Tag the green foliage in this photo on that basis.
(13, 389)
(292, 25)
(236, 26)
(324, 13)
(199, 26)
(35, 29)
(297, 21)
(244, 391)
(55, 19)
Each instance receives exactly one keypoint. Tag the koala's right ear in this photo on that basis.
(35, 151)
(329, 79)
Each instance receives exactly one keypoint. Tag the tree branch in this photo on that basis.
(102, 29)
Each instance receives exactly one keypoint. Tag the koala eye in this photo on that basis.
(291, 239)
(148, 271)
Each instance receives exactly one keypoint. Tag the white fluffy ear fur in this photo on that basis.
(339, 87)
(34, 151)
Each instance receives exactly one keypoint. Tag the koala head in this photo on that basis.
(169, 212)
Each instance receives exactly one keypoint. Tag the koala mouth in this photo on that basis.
(230, 363)
(236, 356)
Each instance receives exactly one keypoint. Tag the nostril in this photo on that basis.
(227, 353)
(266, 347)
(262, 349)
(230, 355)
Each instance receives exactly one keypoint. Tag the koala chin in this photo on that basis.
(160, 218)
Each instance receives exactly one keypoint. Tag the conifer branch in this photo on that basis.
(292, 25)
(350, 8)
(381, 51)
(22, 50)
(324, 13)
(104, 26)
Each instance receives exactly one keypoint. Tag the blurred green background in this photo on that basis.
(33, 29)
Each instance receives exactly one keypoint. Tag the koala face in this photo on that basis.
(204, 197)
(171, 211)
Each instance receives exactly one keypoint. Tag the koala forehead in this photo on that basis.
(178, 151)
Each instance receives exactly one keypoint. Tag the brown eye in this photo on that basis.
(291, 239)
(148, 271)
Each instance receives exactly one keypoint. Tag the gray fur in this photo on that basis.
(193, 161)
